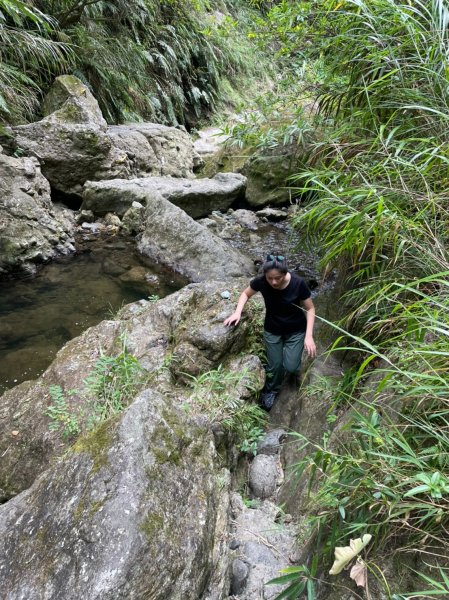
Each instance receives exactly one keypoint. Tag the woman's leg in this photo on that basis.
(274, 345)
(293, 349)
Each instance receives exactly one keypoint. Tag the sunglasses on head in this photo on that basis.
(272, 258)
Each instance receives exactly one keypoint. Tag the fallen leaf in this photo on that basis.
(359, 573)
(344, 554)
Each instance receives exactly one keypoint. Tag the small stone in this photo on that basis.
(234, 544)
(239, 576)
(225, 295)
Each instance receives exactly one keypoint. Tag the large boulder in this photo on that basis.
(197, 197)
(32, 229)
(130, 512)
(156, 150)
(73, 143)
(175, 240)
(157, 334)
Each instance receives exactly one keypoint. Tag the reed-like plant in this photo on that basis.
(376, 202)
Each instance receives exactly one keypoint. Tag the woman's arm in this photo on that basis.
(309, 343)
(244, 297)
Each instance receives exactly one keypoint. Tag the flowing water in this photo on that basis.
(39, 315)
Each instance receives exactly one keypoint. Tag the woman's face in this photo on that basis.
(275, 278)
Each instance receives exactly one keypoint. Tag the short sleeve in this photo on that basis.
(303, 290)
(256, 284)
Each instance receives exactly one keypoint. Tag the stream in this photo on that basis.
(39, 315)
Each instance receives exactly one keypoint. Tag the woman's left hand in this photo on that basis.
(309, 346)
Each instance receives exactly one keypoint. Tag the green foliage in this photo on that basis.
(108, 388)
(63, 419)
(113, 382)
(142, 59)
(300, 580)
(375, 201)
(218, 394)
(28, 57)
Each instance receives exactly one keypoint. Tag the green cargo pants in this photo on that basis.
(284, 353)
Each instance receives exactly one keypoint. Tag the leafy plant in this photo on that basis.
(108, 388)
(62, 417)
(218, 393)
(113, 382)
(300, 580)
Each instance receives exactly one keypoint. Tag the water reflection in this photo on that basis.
(39, 315)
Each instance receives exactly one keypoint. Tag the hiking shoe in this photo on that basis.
(267, 400)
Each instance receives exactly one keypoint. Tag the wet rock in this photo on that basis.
(32, 229)
(196, 197)
(135, 275)
(140, 492)
(153, 332)
(247, 218)
(272, 214)
(175, 240)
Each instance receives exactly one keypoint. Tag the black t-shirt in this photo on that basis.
(282, 316)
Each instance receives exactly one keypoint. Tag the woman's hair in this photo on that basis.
(274, 261)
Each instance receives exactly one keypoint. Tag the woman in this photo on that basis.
(289, 321)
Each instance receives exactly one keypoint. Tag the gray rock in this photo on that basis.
(73, 143)
(239, 576)
(209, 141)
(133, 219)
(265, 547)
(112, 220)
(32, 229)
(85, 216)
(272, 214)
(265, 475)
(175, 240)
(271, 443)
(196, 197)
(259, 554)
(191, 318)
(69, 100)
(268, 176)
(246, 218)
(156, 150)
(130, 512)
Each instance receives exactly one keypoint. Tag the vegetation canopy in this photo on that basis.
(171, 62)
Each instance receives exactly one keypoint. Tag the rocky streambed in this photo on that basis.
(147, 503)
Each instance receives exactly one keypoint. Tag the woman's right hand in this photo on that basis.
(233, 319)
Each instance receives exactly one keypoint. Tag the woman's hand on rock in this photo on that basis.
(232, 320)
